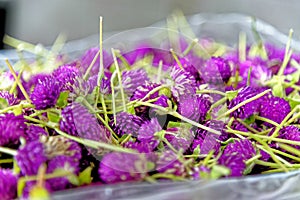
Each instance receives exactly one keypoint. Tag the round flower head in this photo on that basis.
(168, 163)
(10, 98)
(45, 93)
(275, 109)
(30, 157)
(187, 66)
(208, 141)
(66, 75)
(194, 107)
(77, 120)
(133, 79)
(290, 133)
(8, 184)
(34, 132)
(119, 167)
(142, 147)
(234, 156)
(179, 137)
(147, 130)
(126, 124)
(182, 82)
(88, 57)
(11, 128)
(216, 70)
(250, 108)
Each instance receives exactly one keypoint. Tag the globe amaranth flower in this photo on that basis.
(11, 128)
(8, 184)
(275, 109)
(290, 133)
(144, 148)
(249, 109)
(189, 67)
(133, 79)
(216, 70)
(45, 93)
(147, 130)
(78, 121)
(66, 75)
(119, 167)
(34, 132)
(57, 151)
(10, 98)
(194, 107)
(126, 123)
(182, 82)
(235, 154)
(179, 137)
(169, 163)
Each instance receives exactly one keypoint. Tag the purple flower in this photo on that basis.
(88, 57)
(66, 75)
(179, 137)
(168, 163)
(250, 108)
(45, 93)
(147, 130)
(143, 90)
(162, 101)
(77, 120)
(34, 132)
(188, 67)
(194, 107)
(127, 124)
(290, 133)
(133, 79)
(119, 167)
(8, 184)
(30, 157)
(234, 156)
(11, 128)
(182, 82)
(216, 71)
(144, 148)
(10, 98)
(275, 109)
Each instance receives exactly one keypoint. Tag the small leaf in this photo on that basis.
(231, 94)
(131, 110)
(53, 117)
(3, 103)
(150, 166)
(62, 100)
(278, 90)
(165, 91)
(21, 186)
(196, 151)
(73, 179)
(250, 120)
(219, 171)
(16, 167)
(18, 110)
(85, 176)
(39, 192)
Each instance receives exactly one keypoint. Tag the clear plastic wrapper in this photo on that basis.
(224, 28)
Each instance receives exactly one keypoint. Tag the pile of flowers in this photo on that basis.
(207, 111)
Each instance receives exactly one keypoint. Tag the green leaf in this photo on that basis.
(150, 166)
(196, 151)
(165, 91)
(85, 176)
(20, 186)
(231, 94)
(39, 192)
(219, 171)
(250, 120)
(62, 100)
(53, 117)
(18, 110)
(278, 90)
(172, 124)
(16, 167)
(3, 103)
(131, 110)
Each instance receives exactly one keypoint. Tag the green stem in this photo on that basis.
(204, 91)
(16, 106)
(287, 54)
(86, 75)
(176, 58)
(253, 159)
(119, 79)
(266, 120)
(8, 160)
(190, 47)
(104, 107)
(244, 103)
(168, 176)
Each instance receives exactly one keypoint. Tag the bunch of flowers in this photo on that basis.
(149, 115)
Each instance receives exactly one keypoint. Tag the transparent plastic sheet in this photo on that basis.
(224, 28)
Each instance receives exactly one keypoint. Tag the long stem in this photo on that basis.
(18, 81)
(8, 151)
(244, 103)
(266, 120)
(119, 79)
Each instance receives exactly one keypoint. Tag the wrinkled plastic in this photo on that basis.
(223, 28)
